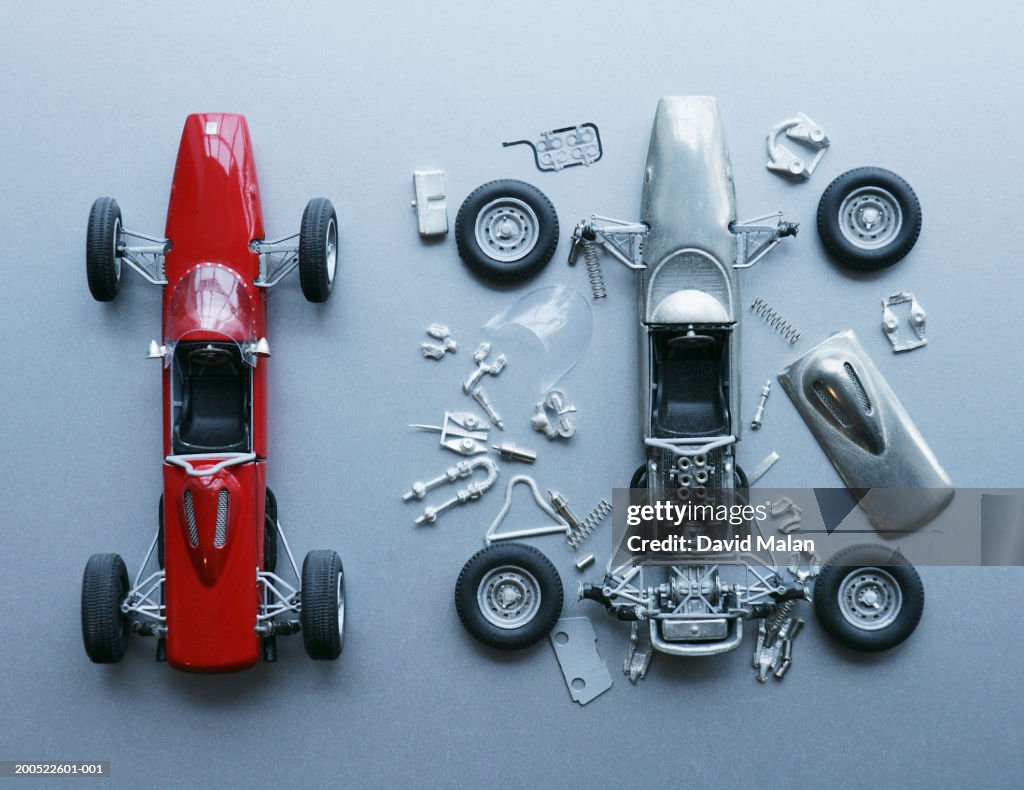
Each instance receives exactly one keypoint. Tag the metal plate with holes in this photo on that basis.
(575, 644)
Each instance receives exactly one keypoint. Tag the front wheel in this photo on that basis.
(508, 596)
(104, 626)
(318, 249)
(323, 605)
(868, 597)
(102, 260)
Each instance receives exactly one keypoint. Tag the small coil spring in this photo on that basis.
(774, 624)
(593, 263)
(775, 320)
(589, 524)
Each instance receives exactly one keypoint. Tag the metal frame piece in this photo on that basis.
(891, 324)
(782, 160)
(285, 254)
(575, 645)
(570, 146)
(147, 259)
(561, 525)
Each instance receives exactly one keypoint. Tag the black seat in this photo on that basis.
(690, 385)
(215, 404)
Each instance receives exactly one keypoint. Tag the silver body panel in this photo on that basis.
(867, 434)
(688, 203)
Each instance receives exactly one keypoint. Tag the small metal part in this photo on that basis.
(766, 390)
(434, 351)
(481, 397)
(782, 160)
(783, 668)
(575, 645)
(640, 652)
(560, 524)
(570, 146)
(795, 629)
(461, 432)
(623, 240)
(891, 324)
(430, 205)
(768, 231)
(468, 494)
(762, 468)
(585, 527)
(583, 236)
(438, 331)
(775, 320)
(511, 452)
(562, 508)
(482, 367)
(564, 427)
(585, 562)
(555, 400)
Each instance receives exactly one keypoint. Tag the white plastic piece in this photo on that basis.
(560, 525)
(430, 204)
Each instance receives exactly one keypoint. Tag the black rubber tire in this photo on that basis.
(521, 556)
(104, 627)
(270, 533)
(102, 267)
(826, 597)
(318, 243)
(841, 248)
(323, 599)
(477, 259)
(639, 479)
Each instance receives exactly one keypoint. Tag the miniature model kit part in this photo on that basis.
(561, 507)
(430, 205)
(768, 230)
(869, 218)
(584, 528)
(470, 493)
(461, 432)
(564, 427)
(570, 146)
(483, 367)
(434, 351)
(575, 645)
(481, 397)
(766, 390)
(510, 452)
(775, 320)
(916, 319)
(506, 230)
(782, 160)
(585, 562)
(560, 525)
(762, 468)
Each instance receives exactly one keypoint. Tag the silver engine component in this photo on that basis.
(891, 324)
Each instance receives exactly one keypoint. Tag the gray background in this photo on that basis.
(346, 102)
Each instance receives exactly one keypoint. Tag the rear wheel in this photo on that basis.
(323, 604)
(104, 626)
(868, 597)
(509, 596)
(318, 249)
(102, 261)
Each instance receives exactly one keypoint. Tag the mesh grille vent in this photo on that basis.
(831, 403)
(221, 532)
(190, 519)
(862, 396)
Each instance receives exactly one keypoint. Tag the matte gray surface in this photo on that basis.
(346, 103)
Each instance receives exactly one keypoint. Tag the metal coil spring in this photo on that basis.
(589, 524)
(775, 622)
(775, 320)
(593, 263)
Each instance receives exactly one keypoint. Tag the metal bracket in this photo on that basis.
(461, 432)
(762, 468)
(768, 233)
(638, 658)
(781, 158)
(570, 146)
(891, 326)
(430, 205)
(147, 259)
(468, 494)
(283, 251)
(561, 525)
(575, 645)
(623, 240)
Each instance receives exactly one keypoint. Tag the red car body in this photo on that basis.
(211, 590)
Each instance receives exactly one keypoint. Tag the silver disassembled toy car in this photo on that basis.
(687, 250)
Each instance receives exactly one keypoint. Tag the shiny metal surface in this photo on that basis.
(866, 433)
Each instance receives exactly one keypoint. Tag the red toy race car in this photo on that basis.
(215, 603)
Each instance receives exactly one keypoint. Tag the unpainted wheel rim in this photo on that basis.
(506, 229)
(870, 217)
(117, 258)
(508, 596)
(331, 250)
(870, 598)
